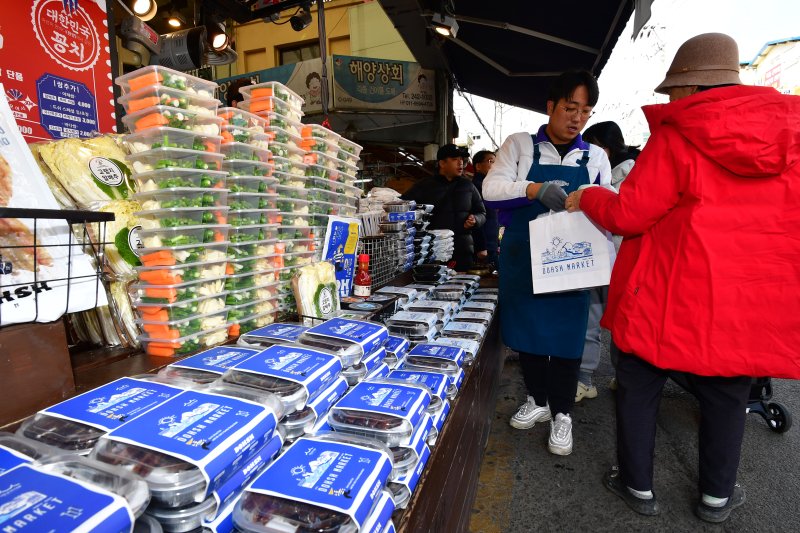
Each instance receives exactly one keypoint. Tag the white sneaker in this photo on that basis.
(585, 392)
(560, 442)
(528, 414)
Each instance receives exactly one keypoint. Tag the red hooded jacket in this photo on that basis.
(707, 279)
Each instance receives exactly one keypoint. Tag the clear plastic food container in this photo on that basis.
(169, 347)
(242, 281)
(298, 259)
(173, 481)
(325, 208)
(254, 136)
(182, 197)
(242, 312)
(296, 220)
(179, 177)
(185, 519)
(239, 167)
(353, 150)
(470, 347)
(253, 217)
(166, 137)
(174, 158)
(163, 313)
(317, 171)
(115, 480)
(283, 136)
(349, 339)
(448, 292)
(158, 75)
(292, 180)
(465, 330)
(246, 200)
(430, 364)
(171, 275)
(271, 335)
(475, 317)
(245, 152)
(146, 293)
(288, 165)
(182, 216)
(251, 249)
(206, 367)
(286, 150)
(485, 297)
(233, 116)
(264, 105)
(147, 524)
(254, 233)
(251, 184)
(66, 435)
(261, 509)
(295, 205)
(250, 295)
(197, 120)
(169, 329)
(179, 255)
(25, 449)
(274, 89)
(253, 322)
(161, 95)
(294, 233)
(412, 323)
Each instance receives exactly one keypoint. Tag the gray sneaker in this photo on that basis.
(560, 442)
(528, 414)
(715, 515)
(643, 506)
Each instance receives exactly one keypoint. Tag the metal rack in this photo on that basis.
(90, 242)
(382, 251)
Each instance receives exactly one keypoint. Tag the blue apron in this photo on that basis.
(543, 324)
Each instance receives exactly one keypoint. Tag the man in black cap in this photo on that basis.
(457, 205)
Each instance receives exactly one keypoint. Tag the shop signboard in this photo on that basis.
(56, 67)
(361, 83)
(304, 78)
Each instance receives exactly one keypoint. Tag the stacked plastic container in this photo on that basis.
(280, 108)
(255, 252)
(174, 140)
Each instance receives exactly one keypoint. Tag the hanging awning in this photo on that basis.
(510, 51)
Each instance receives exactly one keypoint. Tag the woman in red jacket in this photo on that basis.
(705, 283)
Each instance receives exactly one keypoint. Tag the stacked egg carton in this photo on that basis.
(280, 108)
(255, 252)
(175, 156)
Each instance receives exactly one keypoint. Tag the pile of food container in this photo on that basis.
(175, 156)
(349, 406)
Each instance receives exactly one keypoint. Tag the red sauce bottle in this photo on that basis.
(362, 285)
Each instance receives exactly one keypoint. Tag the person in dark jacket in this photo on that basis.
(457, 205)
(487, 237)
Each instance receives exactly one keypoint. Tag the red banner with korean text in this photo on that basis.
(55, 67)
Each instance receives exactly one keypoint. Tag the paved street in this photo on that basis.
(525, 488)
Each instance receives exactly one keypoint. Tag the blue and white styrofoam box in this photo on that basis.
(385, 411)
(436, 356)
(438, 422)
(465, 330)
(74, 425)
(349, 339)
(113, 479)
(318, 483)
(403, 488)
(32, 500)
(16, 450)
(479, 306)
(299, 423)
(444, 309)
(379, 372)
(470, 347)
(436, 382)
(476, 317)
(277, 333)
(207, 365)
(404, 294)
(401, 217)
(405, 457)
(412, 323)
(222, 522)
(397, 345)
(381, 515)
(193, 443)
(193, 517)
(292, 372)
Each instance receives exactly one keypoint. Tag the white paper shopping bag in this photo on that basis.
(568, 252)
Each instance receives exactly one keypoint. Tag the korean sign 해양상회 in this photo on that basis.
(367, 83)
(56, 67)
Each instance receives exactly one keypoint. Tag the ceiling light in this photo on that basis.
(301, 21)
(444, 25)
(175, 20)
(217, 38)
(145, 9)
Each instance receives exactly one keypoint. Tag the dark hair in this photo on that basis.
(566, 83)
(311, 77)
(232, 94)
(609, 135)
(480, 157)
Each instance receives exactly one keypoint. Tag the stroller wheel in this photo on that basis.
(780, 420)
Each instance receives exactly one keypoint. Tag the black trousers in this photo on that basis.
(551, 380)
(722, 420)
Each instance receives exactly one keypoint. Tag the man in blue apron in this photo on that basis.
(532, 175)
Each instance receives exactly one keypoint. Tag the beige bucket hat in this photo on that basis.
(707, 60)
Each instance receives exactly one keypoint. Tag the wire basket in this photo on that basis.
(382, 253)
(86, 233)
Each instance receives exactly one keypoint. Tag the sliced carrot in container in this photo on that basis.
(261, 92)
(170, 294)
(141, 103)
(160, 277)
(233, 330)
(159, 350)
(150, 121)
(160, 258)
(145, 80)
